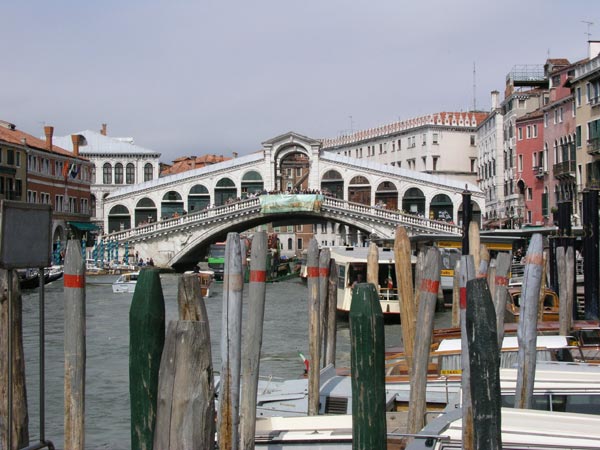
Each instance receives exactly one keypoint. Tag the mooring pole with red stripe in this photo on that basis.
(314, 326)
(74, 297)
(467, 272)
(253, 338)
(430, 284)
(324, 257)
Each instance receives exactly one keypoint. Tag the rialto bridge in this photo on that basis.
(175, 218)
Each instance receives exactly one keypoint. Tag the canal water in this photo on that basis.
(107, 370)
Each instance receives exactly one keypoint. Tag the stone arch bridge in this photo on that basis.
(175, 218)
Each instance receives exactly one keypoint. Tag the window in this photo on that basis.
(528, 131)
(472, 140)
(298, 171)
(556, 81)
(393, 146)
(529, 193)
(473, 164)
(10, 157)
(520, 162)
(435, 161)
(107, 173)
(148, 172)
(560, 114)
(93, 175)
(578, 136)
(535, 131)
(435, 138)
(299, 228)
(578, 96)
(299, 246)
(118, 173)
(18, 159)
(424, 139)
(545, 120)
(130, 174)
(399, 145)
(288, 171)
(520, 133)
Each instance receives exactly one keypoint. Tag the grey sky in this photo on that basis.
(195, 77)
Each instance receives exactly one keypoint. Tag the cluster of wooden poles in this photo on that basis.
(172, 388)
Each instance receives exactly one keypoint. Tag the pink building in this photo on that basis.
(529, 178)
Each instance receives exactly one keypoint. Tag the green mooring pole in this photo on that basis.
(368, 371)
(146, 341)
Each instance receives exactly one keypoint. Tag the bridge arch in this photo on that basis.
(332, 183)
(145, 211)
(386, 195)
(119, 218)
(441, 208)
(359, 190)
(198, 198)
(171, 203)
(225, 189)
(252, 183)
(413, 201)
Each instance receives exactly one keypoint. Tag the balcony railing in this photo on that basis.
(539, 172)
(593, 146)
(564, 169)
(593, 183)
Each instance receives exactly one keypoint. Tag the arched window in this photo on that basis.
(148, 172)
(107, 173)
(130, 174)
(118, 173)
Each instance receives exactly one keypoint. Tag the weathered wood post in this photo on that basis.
(484, 262)
(527, 328)
(11, 318)
(484, 363)
(368, 369)
(324, 257)
(231, 345)
(402, 256)
(474, 244)
(467, 272)
(564, 263)
(373, 265)
(146, 342)
(253, 335)
(75, 350)
(330, 345)
(418, 379)
(314, 326)
(503, 261)
(541, 294)
(491, 277)
(186, 409)
(456, 296)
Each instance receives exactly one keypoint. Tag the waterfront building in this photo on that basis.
(185, 163)
(557, 165)
(585, 86)
(117, 162)
(441, 144)
(524, 93)
(530, 182)
(491, 164)
(38, 171)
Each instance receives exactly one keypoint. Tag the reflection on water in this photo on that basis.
(107, 339)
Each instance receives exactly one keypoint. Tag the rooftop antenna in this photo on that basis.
(474, 88)
(589, 24)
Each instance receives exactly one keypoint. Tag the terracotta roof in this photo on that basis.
(558, 61)
(538, 113)
(14, 136)
(185, 163)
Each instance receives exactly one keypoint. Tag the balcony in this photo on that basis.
(565, 169)
(595, 101)
(593, 146)
(539, 172)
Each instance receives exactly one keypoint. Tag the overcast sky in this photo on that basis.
(195, 77)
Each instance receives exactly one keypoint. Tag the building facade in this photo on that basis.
(38, 171)
(117, 162)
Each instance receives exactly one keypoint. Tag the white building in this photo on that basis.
(443, 144)
(490, 145)
(117, 162)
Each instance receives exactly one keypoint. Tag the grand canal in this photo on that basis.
(107, 370)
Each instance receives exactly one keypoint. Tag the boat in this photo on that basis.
(206, 278)
(29, 278)
(308, 432)
(352, 267)
(512, 311)
(521, 428)
(125, 283)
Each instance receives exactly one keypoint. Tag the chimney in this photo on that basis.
(103, 130)
(495, 95)
(49, 131)
(75, 140)
(594, 49)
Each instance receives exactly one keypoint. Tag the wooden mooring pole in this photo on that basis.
(231, 343)
(331, 340)
(314, 326)
(186, 409)
(368, 369)
(527, 328)
(324, 257)
(408, 314)
(467, 272)
(418, 378)
(253, 335)
(503, 261)
(146, 342)
(75, 349)
(484, 366)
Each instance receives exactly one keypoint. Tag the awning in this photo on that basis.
(83, 226)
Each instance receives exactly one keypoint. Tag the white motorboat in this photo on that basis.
(125, 283)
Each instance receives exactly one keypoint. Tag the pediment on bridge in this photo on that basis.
(291, 137)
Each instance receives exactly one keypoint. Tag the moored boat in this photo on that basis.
(125, 283)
